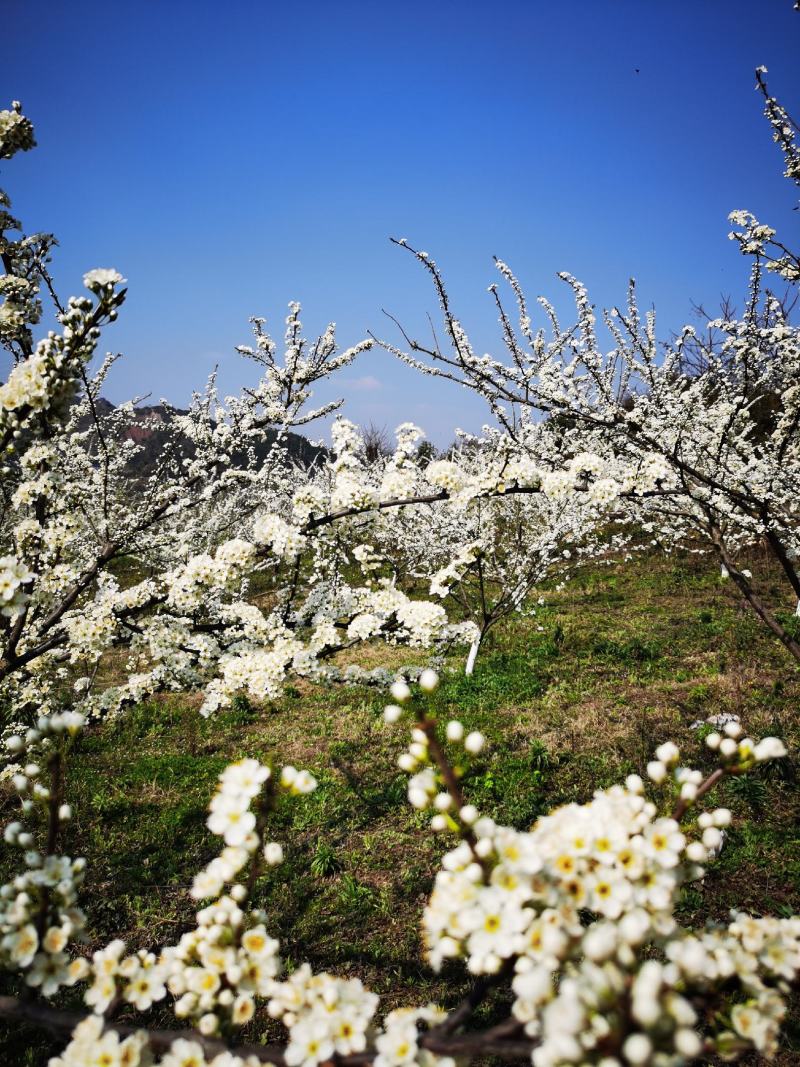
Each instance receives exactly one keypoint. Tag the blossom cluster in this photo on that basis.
(93, 1043)
(16, 131)
(13, 576)
(39, 911)
(325, 1015)
(46, 379)
(506, 898)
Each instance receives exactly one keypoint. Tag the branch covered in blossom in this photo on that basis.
(575, 917)
(720, 443)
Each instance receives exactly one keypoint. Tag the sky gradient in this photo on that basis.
(228, 158)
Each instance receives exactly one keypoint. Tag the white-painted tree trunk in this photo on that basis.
(473, 655)
(723, 571)
(797, 610)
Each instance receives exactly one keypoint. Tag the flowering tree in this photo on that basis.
(721, 446)
(93, 560)
(486, 555)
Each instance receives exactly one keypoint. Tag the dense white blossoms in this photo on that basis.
(160, 566)
(39, 911)
(326, 1016)
(629, 981)
(13, 576)
(284, 539)
(576, 914)
(695, 442)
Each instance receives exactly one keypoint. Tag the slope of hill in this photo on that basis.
(150, 427)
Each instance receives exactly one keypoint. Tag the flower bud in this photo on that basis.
(400, 692)
(687, 1043)
(656, 771)
(667, 753)
(688, 791)
(273, 853)
(474, 742)
(696, 852)
(428, 681)
(712, 838)
(391, 713)
(455, 730)
(637, 1049)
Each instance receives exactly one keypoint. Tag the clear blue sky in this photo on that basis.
(229, 156)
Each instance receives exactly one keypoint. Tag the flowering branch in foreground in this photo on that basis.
(576, 917)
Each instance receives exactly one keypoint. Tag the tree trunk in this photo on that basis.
(473, 655)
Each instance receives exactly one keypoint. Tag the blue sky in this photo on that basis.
(230, 157)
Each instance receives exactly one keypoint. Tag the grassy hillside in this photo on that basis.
(572, 699)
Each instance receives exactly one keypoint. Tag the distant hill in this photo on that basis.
(149, 427)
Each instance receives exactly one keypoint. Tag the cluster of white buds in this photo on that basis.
(39, 913)
(46, 378)
(739, 752)
(217, 970)
(427, 787)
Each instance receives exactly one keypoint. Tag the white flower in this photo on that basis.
(454, 730)
(428, 681)
(656, 771)
(273, 853)
(637, 1049)
(101, 277)
(769, 748)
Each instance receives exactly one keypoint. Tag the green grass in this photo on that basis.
(571, 700)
